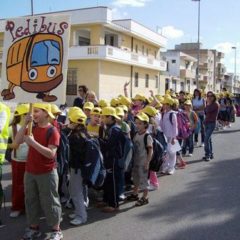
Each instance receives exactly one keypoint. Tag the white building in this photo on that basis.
(181, 69)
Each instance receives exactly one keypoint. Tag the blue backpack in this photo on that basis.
(158, 154)
(62, 157)
(93, 170)
(127, 156)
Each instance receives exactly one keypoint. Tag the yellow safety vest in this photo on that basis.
(4, 133)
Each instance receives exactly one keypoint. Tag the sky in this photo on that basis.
(175, 19)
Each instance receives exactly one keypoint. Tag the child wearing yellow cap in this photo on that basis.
(142, 157)
(18, 161)
(77, 133)
(41, 177)
(93, 127)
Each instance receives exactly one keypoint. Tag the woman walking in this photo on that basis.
(211, 112)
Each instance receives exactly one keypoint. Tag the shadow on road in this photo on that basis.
(211, 205)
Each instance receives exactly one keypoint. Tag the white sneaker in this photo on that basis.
(190, 155)
(152, 188)
(171, 172)
(202, 145)
(72, 216)
(77, 221)
(122, 197)
(86, 203)
(14, 214)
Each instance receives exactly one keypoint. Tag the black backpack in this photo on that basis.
(158, 154)
(62, 157)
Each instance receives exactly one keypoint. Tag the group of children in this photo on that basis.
(174, 121)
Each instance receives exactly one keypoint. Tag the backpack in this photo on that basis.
(127, 156)
(93, 170)
(183, 122)
(63, 150)
(158, 154)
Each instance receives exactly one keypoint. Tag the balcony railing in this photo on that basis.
(115, 54)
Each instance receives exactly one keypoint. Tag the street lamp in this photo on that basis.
(235, 68)
(32, 7)
(198, 53)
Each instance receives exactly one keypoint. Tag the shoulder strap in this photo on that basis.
(145, 140)
(49, 133)
(171, 117)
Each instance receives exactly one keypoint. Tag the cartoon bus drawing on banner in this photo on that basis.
(34, 63)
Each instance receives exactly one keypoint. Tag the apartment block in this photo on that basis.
(181, 71)
(104, 54)
(211, 70)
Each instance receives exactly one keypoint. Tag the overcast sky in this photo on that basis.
(176, 19)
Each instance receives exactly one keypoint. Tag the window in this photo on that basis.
(155, 54)
(156, 81)
(72, 81)
(147, 51)
(1, 43)
(136, 48)
(147, 80)
(45, 53)
(143, 49)
(173, 61)
(82, 41)
(136, 79)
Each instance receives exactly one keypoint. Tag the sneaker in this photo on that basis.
(56, 235)
(202, 145)
(122, 197)
(190, 155)
(14, 214)
(69, 204)
(206, 159)
(31, 233)
(1, 225)
(152, 187)
(77, 221)
(195, 144)
(171, 172)
(72, 216)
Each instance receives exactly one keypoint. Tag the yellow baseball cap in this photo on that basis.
(142, 117)
(159, 105)
(110, 111)
(46, 107)
(188, 102)
(96, 111)
(139, 98)
(168, 100)
(124, 107)
(150, 111)
(119, 111)
(125, 101)
(55, 109)
(103, 103)
(88, 105)
(78, 117)
(21, 109)
(114, 102)
(73, 109)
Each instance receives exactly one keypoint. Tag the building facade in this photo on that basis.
(181, 70)
(104, 54)
(211, 70)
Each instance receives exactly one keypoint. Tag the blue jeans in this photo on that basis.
(209, 128)
(188, 144)
(201, 118)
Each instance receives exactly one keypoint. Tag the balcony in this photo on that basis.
(114, 54)
(186, 73)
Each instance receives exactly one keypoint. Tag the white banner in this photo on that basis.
(35, 58)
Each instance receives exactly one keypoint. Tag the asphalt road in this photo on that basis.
(200, 202)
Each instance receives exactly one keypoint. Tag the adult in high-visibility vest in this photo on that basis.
(4, 123)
